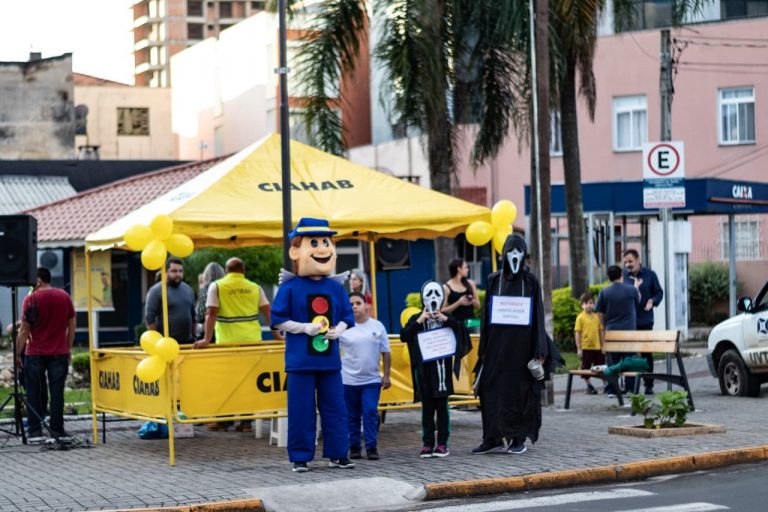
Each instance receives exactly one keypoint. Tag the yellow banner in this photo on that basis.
(101, 280)
(117, 387)
(220, 382)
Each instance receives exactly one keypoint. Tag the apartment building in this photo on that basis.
(163, 28)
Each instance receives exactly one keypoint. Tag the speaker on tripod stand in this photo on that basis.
(18, 258)
(392, 255)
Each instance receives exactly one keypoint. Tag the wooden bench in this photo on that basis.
(665, 342)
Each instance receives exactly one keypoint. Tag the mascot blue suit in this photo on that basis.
(313, 309)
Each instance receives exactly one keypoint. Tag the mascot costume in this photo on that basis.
(436, 343)
(313, 309)
(511, 336)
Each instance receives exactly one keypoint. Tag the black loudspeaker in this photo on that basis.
(393, 254)
(18, 250)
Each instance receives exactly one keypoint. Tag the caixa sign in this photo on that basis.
(741, 192)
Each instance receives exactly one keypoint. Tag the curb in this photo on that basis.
(597, 475)
(247, 505)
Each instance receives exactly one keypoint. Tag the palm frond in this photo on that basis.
(328, 51)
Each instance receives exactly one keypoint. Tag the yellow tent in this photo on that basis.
(238, 202)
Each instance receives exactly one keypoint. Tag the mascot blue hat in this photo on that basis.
(308, 226)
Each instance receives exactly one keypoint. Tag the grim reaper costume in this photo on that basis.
(512, 334)
(432, 380)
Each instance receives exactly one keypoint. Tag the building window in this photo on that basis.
(555, 138)
(194, 31)
(737, 115)
(748, 240)
(630, 123)
(258, 6)
(132, 121)
(743, 8)
(194, 8)
(225, 10)
(647, 14)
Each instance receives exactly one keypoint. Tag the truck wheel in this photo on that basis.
(734, 378)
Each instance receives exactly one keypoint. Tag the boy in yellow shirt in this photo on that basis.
(589, 338)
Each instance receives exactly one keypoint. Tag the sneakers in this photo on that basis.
(591, 390)
(441, 451)
(355, 453)
(244, 427)
(343, 463)
(215, 427)
(35, 437)
(300, 467)
(487, 447)
(517, 449)
(611, 395)
(426, 452)
(372, 453)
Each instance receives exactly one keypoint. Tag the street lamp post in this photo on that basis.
(285, 133)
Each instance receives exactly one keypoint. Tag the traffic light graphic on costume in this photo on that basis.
(319, 311)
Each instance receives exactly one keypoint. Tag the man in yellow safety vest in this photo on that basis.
(232, 312)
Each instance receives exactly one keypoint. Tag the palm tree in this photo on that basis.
(574, 24)
(446, 61)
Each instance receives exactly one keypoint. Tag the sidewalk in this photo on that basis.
(214, 466)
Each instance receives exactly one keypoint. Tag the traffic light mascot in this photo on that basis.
(512, 334)
(313, 309)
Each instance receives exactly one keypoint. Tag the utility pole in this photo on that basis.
(666, 94)
(285, 134)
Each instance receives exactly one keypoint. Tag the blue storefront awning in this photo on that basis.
(703, 196)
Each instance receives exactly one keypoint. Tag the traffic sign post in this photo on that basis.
(663, 175)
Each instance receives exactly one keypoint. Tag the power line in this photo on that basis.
(722, 70)
(725, 38)
(744, 64)
(744, 159)
(723, 45)
(642, 49)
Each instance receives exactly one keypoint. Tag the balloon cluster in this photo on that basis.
(161, 351)
(503, 215)
(155, 242)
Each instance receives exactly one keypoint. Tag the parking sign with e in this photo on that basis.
(663, 160)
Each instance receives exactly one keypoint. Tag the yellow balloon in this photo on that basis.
(137, 237)
(167, 349)
(180, 245)
(149, 341)
(499, 238)
(150, 368)
(407, 314)
(154, 254)
(479, 233)
(162, 227)
(406, 355)
(503, 214)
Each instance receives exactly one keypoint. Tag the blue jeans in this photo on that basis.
(36, 370)
(362, 403)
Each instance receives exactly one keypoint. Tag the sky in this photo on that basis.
(96, 32)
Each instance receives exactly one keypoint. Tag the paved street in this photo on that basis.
(738, 488)
(129, 472)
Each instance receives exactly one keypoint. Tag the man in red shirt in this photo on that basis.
(46, 337)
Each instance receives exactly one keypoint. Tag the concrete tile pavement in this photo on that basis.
(129, 473)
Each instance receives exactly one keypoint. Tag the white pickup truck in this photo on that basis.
(738, 348)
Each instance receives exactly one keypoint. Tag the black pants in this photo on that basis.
(430, 407)
(489, 409)
(37, 368)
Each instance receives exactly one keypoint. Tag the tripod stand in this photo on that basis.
(17, 396)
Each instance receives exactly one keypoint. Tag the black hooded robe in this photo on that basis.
(510, 398)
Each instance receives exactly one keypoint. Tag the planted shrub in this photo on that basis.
(565, 309)
(707, 285)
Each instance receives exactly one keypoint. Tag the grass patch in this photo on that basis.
(77, 401)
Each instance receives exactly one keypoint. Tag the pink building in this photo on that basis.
(719, 112)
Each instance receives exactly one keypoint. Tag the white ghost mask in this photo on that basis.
(432, 296)
(515, 258)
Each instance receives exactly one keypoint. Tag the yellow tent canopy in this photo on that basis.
(238, 202)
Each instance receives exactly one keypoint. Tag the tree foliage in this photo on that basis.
(262, 264)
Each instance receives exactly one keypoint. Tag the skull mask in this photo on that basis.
(514, 253)
(432, 296)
